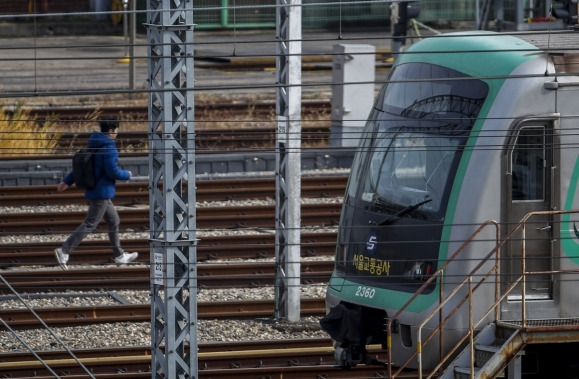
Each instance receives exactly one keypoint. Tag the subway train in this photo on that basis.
(470, 133)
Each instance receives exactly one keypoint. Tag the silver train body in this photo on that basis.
(468, 127)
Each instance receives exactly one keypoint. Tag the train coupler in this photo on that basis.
(352, 356)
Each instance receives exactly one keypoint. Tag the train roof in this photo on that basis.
(563, 46)
(480, 53)
(557, 42)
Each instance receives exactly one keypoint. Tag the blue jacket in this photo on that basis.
(106, 168)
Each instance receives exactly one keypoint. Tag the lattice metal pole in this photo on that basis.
(288, 160)
(172, 200)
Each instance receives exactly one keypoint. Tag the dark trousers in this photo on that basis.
(97, 210)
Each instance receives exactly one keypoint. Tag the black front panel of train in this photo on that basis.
(400, 256)
(403, 174)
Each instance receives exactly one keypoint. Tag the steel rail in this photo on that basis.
(232, 356)
(230, 275)
(137, 193)
(215, 310)
(135, 351)
(215, 139)
(129, 112)
(141, 153)
(212, 356)
(325, 371)
(240, 217)
(210, 137)
(247, 246)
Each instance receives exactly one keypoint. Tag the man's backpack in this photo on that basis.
(83, 168)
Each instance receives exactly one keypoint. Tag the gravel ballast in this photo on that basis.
(139, 334)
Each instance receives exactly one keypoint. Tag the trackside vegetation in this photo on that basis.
(21, 134)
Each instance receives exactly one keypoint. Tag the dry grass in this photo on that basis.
(21, 134)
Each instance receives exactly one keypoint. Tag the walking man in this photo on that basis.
(106, 172)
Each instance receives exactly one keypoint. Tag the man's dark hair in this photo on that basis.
(109, 123)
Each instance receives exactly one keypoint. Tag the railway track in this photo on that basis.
(325, 371)
(22, 318)
(203, 111)
(237, 365)
(259, 117)
(207, 140)
(210, 247)
(215, 360)
(137, 193)
(223, 217)
(247, 246)
(231, 275)
(210, 276)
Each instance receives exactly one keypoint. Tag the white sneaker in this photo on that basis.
(126, 258)
(61, 258)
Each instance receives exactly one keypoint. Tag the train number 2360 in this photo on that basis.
(365, 292)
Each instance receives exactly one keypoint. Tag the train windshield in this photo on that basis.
(408, 168)
(414, 136)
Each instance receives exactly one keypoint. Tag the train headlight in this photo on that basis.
(418, 270)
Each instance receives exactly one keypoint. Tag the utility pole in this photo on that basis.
(401, 12)
(172, 197)
(288, 159)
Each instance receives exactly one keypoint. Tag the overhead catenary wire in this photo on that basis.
(201, 88)
(56, 337)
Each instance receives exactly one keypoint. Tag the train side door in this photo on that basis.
(530, 187)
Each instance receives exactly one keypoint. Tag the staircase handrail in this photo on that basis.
(524, 272)
(521, 225)
(438, 274)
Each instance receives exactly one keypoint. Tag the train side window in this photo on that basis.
(528, 163)
(357, 165)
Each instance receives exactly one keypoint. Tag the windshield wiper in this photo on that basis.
(403, 212)
(380, 205)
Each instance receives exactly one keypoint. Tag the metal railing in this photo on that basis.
(471, 287)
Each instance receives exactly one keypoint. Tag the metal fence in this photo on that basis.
(219, 14)
(255, 14)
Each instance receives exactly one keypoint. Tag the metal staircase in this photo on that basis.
(500, 345)
(491, 345)
(494, 347)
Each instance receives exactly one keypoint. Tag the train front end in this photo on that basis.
(397, 212)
